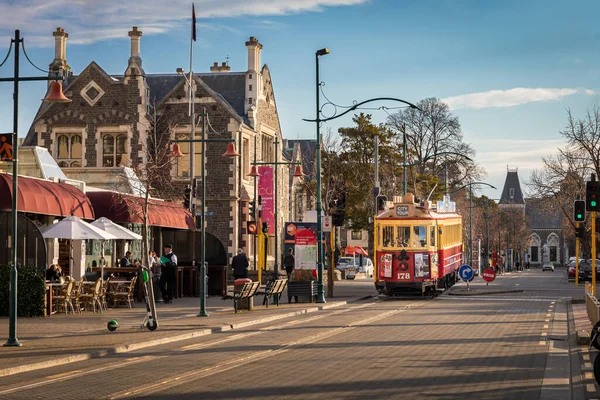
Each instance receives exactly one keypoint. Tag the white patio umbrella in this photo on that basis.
(117, 231)
(73, 228)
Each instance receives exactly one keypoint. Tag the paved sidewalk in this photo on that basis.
(62, 339)
(586, 356)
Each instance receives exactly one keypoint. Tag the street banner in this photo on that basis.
(265, 190)
(6, 146)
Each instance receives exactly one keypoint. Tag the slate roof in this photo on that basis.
(541, 217)
(512, 182)
(230, 85)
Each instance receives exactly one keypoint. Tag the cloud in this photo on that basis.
(89, 21)
(510, 98)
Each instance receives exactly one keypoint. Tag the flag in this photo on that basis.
(193, 23)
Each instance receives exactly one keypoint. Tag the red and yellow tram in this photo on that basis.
(418, 246)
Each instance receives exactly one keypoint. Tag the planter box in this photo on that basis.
(307, 290)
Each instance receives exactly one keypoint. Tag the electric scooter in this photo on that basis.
(150, 319)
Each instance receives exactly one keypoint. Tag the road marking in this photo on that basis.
(545, 327)
(548, 315)
(76, 374)
(542, 342)
(547, 320)
(253, 357)
(544, 334)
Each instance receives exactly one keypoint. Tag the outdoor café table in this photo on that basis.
(49, 289)
(138, 270)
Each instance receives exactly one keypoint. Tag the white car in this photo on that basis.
(548, 267)
(350, 265)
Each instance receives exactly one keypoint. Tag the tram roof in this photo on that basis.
(409, 208)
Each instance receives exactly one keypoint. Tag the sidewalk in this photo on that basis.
(63, 339)
(586, 356)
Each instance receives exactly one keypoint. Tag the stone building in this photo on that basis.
(545, 239)
(112, 119)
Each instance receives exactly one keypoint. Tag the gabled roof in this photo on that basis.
(514, 196)
(307, 155)
(541, 216)
(230, 85)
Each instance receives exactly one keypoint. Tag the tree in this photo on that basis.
(430, 130)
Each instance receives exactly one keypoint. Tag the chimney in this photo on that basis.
(254, 48)
(59, 65)
(220, 68)
(135, 36)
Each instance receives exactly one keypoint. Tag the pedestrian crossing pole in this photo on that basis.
(577, 254)
(593, 261)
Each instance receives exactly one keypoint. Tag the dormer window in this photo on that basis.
(250, 88)
(511, 193)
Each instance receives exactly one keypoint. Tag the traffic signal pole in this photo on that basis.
(593, 261)
(577, 254)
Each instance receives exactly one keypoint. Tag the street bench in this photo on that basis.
(273, 289)
(246, 292)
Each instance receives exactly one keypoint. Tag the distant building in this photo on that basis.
(545, 239)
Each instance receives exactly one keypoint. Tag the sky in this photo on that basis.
(508, 69)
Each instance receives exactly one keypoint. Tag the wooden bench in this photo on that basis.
(246, 292)
(273, 288)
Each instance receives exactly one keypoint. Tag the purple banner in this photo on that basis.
(265, 190)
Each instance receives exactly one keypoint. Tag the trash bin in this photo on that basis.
(217, 280)
(243, 304)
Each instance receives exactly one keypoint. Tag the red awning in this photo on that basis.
(38, 196)
(126, 209)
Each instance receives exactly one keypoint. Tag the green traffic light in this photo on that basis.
(579, 216)
(593, 203)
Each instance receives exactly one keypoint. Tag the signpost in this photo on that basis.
(327, 223)
(489, 275)
(466, 273)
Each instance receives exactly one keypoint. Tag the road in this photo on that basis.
(452, 347)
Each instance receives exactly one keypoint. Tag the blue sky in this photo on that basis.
(508, 69)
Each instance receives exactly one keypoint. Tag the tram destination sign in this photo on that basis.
(402, 211)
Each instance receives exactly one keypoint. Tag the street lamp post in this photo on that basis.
(297, 173)
(55, 96)
(317, 121)
(229, 153)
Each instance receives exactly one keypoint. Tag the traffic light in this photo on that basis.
(381, 203)
(253, 210)
(592, 196)
(187, 197)
(265, 227)
(580, 231)
(579, 211)
(337, 219)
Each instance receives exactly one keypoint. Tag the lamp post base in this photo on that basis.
(202, 314)
(12, 343)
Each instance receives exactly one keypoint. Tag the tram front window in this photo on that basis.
(403, 237)
(419, 236)
(388, 236)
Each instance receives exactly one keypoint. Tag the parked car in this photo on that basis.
(351, 267)
(571, 272)
(548, 267)
(585, 270)
(572, 261)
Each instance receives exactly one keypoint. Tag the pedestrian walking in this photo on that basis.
(239, 265)
(289, 263)
(167, 281)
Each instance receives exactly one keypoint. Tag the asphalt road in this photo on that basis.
(452, 347)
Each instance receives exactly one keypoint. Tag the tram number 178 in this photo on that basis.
(403, 275)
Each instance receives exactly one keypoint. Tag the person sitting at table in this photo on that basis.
(53, 273)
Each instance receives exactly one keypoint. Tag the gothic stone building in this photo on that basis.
(545, 238)
(107, 125)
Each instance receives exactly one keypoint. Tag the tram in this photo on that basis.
(418, 246)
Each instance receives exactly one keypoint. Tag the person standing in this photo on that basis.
(126, 261)
(289, 263)
(168, 274)
(239, 265)
(154, 264)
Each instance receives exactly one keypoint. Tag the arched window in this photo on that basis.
(534, 248)
(75, 164)
(69, 148)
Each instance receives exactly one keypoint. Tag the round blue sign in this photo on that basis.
(466, 273)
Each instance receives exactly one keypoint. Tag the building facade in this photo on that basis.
(116, 121)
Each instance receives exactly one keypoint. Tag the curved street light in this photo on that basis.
(317, 121)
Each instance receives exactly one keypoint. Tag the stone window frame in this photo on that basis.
(114, 130)
(183, 132)
(356, 235)
(69, 131)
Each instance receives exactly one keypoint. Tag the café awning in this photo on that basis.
(127, 209)
(38, 196)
